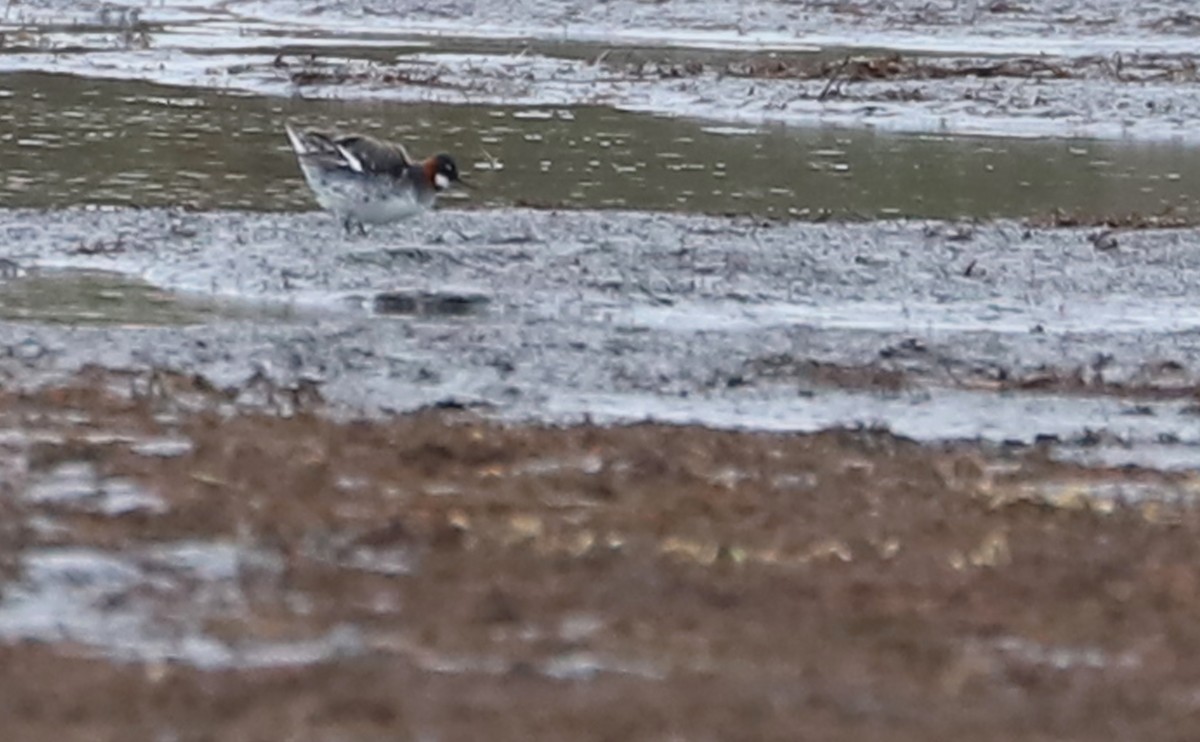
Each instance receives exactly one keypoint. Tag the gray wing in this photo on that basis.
(356, 152)
(373, 155)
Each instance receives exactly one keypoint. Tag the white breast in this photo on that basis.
(368, 200)
(382, 209)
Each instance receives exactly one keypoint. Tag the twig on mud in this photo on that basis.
(208, 479)
(462, 235)
(1023, 67)
(945, 363)
(100, 247)
(1179, 19)
(833, 78)
(1116, 66)
(1167, 218)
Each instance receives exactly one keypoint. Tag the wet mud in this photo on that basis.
(1065, 27)
(258, 575)
(998, 331)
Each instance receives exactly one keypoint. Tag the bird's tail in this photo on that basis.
(298, 140)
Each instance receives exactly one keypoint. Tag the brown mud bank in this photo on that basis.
(464, 580)
(1085, 70)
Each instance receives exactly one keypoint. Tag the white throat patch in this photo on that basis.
(441, 181)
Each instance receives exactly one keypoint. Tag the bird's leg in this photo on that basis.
(352, 225)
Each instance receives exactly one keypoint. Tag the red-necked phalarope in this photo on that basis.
(363, 180)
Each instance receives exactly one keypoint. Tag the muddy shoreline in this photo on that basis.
(1093, 69)
(1068, 28)
(620, 578)
(935, 331)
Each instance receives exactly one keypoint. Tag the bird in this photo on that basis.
(363, 180)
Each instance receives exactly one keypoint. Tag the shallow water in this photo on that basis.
(94, 297)
(71, 140)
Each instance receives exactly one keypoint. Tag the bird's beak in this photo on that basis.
(464, 183)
